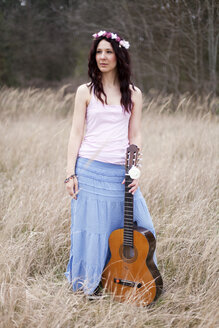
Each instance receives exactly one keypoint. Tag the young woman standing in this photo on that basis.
(110, 106)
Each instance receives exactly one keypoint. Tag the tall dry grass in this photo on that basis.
(179, 181)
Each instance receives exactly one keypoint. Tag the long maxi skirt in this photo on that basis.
(97, 211)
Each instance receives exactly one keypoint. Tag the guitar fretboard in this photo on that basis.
(128, 214)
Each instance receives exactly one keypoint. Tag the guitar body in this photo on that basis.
(131, 274)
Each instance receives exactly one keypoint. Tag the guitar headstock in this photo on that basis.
(132, 157)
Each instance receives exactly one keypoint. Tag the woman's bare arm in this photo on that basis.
(135, 119)
(76, 135)
(77, 128)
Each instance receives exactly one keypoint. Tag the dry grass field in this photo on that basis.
(180, 184)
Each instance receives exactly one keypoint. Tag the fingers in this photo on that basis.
(69, 187)
(72, 187)
(134, 186)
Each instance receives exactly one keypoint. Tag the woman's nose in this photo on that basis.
(103, 55)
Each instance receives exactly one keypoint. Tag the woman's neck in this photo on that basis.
(110, 80)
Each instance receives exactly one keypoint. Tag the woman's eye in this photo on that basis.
(108, 51)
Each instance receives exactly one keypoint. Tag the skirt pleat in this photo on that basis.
(98, 210)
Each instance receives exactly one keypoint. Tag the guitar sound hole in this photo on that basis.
(128, 252)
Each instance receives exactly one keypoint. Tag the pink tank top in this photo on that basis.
(106, 134)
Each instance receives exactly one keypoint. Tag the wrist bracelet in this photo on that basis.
(71, 177)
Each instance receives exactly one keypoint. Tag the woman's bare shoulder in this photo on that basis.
(84, 92)
(136, 93)
(84, 88)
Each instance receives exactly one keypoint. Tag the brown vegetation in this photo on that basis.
(180, 184)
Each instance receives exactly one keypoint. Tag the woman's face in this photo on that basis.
(105, 56)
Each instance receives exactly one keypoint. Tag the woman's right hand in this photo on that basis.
(72, 187)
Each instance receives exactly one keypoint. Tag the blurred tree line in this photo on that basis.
(174, 43)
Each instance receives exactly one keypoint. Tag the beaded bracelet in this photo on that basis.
(71, 177)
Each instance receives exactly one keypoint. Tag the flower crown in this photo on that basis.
(112, 36)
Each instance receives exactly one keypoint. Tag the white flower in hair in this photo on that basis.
(124, 44)
(101, 33)
(114, 36)
(134, 172)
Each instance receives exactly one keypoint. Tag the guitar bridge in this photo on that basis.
(127, 283)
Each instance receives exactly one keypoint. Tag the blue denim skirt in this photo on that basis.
(97, 211)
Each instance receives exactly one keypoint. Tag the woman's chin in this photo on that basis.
(105, 69)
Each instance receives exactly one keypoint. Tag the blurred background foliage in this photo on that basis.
(174, 43)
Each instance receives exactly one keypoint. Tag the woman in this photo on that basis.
(110, 106)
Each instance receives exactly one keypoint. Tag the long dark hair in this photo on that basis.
(123, 69)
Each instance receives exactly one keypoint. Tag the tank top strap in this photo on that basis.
(94, 98)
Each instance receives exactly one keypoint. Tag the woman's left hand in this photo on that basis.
(134, 185)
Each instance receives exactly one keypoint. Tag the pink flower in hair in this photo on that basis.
(118, 38)
(108, 35)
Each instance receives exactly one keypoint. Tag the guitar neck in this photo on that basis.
(128, 214)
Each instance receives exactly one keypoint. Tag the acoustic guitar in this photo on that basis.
(131, 274)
